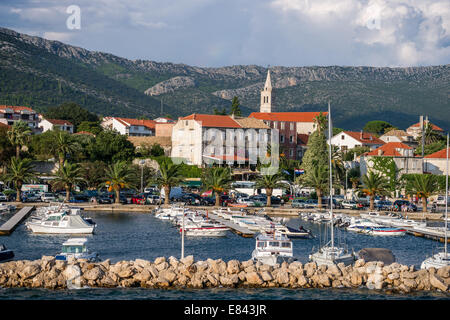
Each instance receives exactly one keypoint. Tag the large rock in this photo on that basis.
(30, 271)
(233, 267)
(187, 261)
(95, 273)
(377, 254)
(253, 278)
(438, 283)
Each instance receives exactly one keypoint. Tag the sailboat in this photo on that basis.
(441, 259)
(331, 254)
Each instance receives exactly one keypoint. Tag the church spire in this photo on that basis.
(266, 95)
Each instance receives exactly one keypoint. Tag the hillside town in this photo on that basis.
(240, 144)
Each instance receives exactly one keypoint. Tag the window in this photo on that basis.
(291, 139)
(274, 244)
(285, 245)
(282, 139)
(342, 137)
(291, 152)
(292, 125)
(282, 125)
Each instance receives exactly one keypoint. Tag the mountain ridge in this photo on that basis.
(112, 85)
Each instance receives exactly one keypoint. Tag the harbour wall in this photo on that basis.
(273, 211)
(187, 273)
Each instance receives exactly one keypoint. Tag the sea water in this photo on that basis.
(131, 235)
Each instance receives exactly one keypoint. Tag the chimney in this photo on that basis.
(361, 134)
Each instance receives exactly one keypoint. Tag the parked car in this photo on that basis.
(3, 197)
(207, 201)
(383, 205)
(247, 201)
(311, 203)
(104, 199)
(298, 203)
(349, 204)
(138, 199)
(397, 205)
(153, 199)
(48, 197)
(225, 200)
(30, 197)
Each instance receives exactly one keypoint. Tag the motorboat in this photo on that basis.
(293, 233)
(204, 229)
(438, 260)
(272, 249)
(76, 248)
(61, 223)
(372, 228)
(6, 208)
(5, 254)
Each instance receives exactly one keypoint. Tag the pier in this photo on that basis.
(8, 227)
(243, 232)
(428, 233)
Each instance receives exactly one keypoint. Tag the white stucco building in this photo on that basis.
(347, 140)
(436, 163)
(51, 124)
(130, 127)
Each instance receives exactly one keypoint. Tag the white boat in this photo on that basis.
(6, 208)
(204, 229)
(76, 248)
(372, 228)
(61, 223)
(441, 259)
(330, 253)
(273, 249)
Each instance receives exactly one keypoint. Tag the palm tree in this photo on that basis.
(19, 172)
(269, 182)
(67, 176)
(424, 186)
(217, 179)
(317, 179)
(430, 135)
(19, 135)
(64, 144)
(169, 175)
(321, 122)
(118, 176)
(374, 184)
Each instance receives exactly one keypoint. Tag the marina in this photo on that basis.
(9, 226)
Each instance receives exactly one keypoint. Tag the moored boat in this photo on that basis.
(273, 249)
(5, 254)
(61, 223)
(76, 248)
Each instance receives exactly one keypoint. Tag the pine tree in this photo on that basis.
(235, 107)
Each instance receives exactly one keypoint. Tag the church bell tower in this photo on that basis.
(266, 95)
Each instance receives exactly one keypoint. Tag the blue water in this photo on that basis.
(131, 235)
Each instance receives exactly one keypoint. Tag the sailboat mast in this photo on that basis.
(331, 175)
(446, 202)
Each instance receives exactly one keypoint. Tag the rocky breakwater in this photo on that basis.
(187, 273)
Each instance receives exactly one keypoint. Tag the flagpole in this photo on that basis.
(446, 202)
(331, 176)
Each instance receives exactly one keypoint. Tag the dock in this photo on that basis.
(243, 232)
(8, 227)
(429, 234)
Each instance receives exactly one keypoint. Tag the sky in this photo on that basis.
(216, 33)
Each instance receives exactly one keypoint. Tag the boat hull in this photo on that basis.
(59, 230)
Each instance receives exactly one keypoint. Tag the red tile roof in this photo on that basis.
(60, 122)
(364, 137)
(16, 108)
(434, 127)
(441, 154)
(214, 121)
(302, 139)
(389, 149)
(287, 116)
(135, 122)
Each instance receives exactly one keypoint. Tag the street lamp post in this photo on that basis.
(142, 162)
